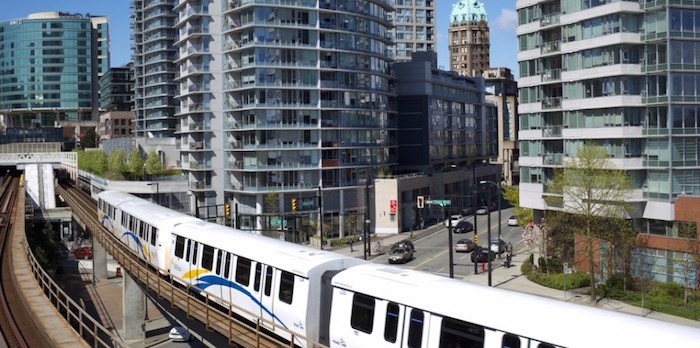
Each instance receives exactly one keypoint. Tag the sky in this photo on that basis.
(501, 16)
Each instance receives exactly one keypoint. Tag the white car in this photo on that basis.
(453, 220)
(512, 221)
(179, 334)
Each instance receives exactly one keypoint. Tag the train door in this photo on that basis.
(415, 326)
(393, 331)
(267, 296)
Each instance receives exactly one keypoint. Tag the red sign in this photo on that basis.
(393, 206)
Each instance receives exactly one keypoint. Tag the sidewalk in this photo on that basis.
(513, 279)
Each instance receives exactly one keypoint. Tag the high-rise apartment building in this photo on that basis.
(117, 89)
(154, 54)
(50, 63)
(623, 75)
(502, 90)
(414, 28)
(278, 99)
(469, 43)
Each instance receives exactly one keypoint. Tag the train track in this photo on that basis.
(16, 322)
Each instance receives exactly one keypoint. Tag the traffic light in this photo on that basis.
(227, 209)
(420, 202)
(294, 204)
(476, 239)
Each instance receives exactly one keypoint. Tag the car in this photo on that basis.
(463, 227)
(400, 255)
(179, 334)
(498, 246)
(453, 220)
(483, 210)
(479, 255)
(467, 212)
(464, 245)
(512, 221)
(406, 243)
(83, 253)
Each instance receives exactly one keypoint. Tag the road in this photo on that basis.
(432, 254)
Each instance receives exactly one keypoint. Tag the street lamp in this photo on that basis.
(157, 191)
(498, 186)
(320, 214)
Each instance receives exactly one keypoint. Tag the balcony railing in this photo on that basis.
(551, 103)
(552, 132)
(553, 158)
(197, 145)
(551, 75)
(549, 19)
(550, 47)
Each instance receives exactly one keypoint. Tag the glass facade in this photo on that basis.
(46, 68)
(153, 38)
(414, 28)
(626, 79)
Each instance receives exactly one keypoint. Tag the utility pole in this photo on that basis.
(320, 214)
(449, 241)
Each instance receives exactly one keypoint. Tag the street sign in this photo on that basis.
(393, 206)
(309, 203)
(441, 202)
(275, 222)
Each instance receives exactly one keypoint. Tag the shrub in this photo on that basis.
(526, 267)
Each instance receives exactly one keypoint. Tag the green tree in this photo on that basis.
(153, 164)
(512, 195)
(89, 138)
(136, 164)
(593, 191)
(117, 164)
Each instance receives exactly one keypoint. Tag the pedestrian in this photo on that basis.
(351, 249)
(422, 223)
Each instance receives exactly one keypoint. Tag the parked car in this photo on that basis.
(480, 255)
(498, 246)
(400, 255)
(483, 210)
(83, 253)
(453, 220)
(467, 212)
(512, 221)
(406, 243)
(179, 334)
(464, 245)
(463, 227)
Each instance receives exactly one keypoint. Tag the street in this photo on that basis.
(432, 256)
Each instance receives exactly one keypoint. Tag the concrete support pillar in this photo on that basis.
(99, 261)
(134, 318)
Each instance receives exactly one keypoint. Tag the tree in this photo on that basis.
(689, 258)
(117, 164)
(89, 138)
(593, 191)
(136, 164)
(153, 164)
(512, 195)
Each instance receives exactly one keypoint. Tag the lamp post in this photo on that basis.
(498, 187)
(320, 214)
(449, 241)
(157, 191)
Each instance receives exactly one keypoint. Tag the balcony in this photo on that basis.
(551, 75)
(196, 145)
(553, 158)
(550, 47)
(551, 103)
(549, 19)
(552, 132)
(199, 185)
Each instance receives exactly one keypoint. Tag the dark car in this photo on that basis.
(83, 253)
(400, 255)
(406, 243)
(480, 255)
(467, 212)
(463, 227)
(464, 245)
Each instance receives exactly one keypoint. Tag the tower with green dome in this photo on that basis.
(469, 38)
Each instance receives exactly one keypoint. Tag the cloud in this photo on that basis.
(508, 20)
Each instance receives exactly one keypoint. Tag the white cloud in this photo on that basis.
(508, 20)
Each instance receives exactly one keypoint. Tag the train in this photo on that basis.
(308, 295)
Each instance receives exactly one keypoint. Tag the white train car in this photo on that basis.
(286, 284)
(384, 306)
(144, 227)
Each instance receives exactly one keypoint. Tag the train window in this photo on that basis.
(142, 229)
(227, 266)
(154, 235)
(362, 315)
(207, 257)
(415, 329)
(392, 322)
(545, 345)
(179, 246)
(510, 341)
(258, 276)
(195, 247)
(219, 261)
(188, 251)
(268, 280)
(459, 333)
(243, 271)
(286, 287)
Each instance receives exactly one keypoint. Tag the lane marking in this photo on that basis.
(430, 259)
